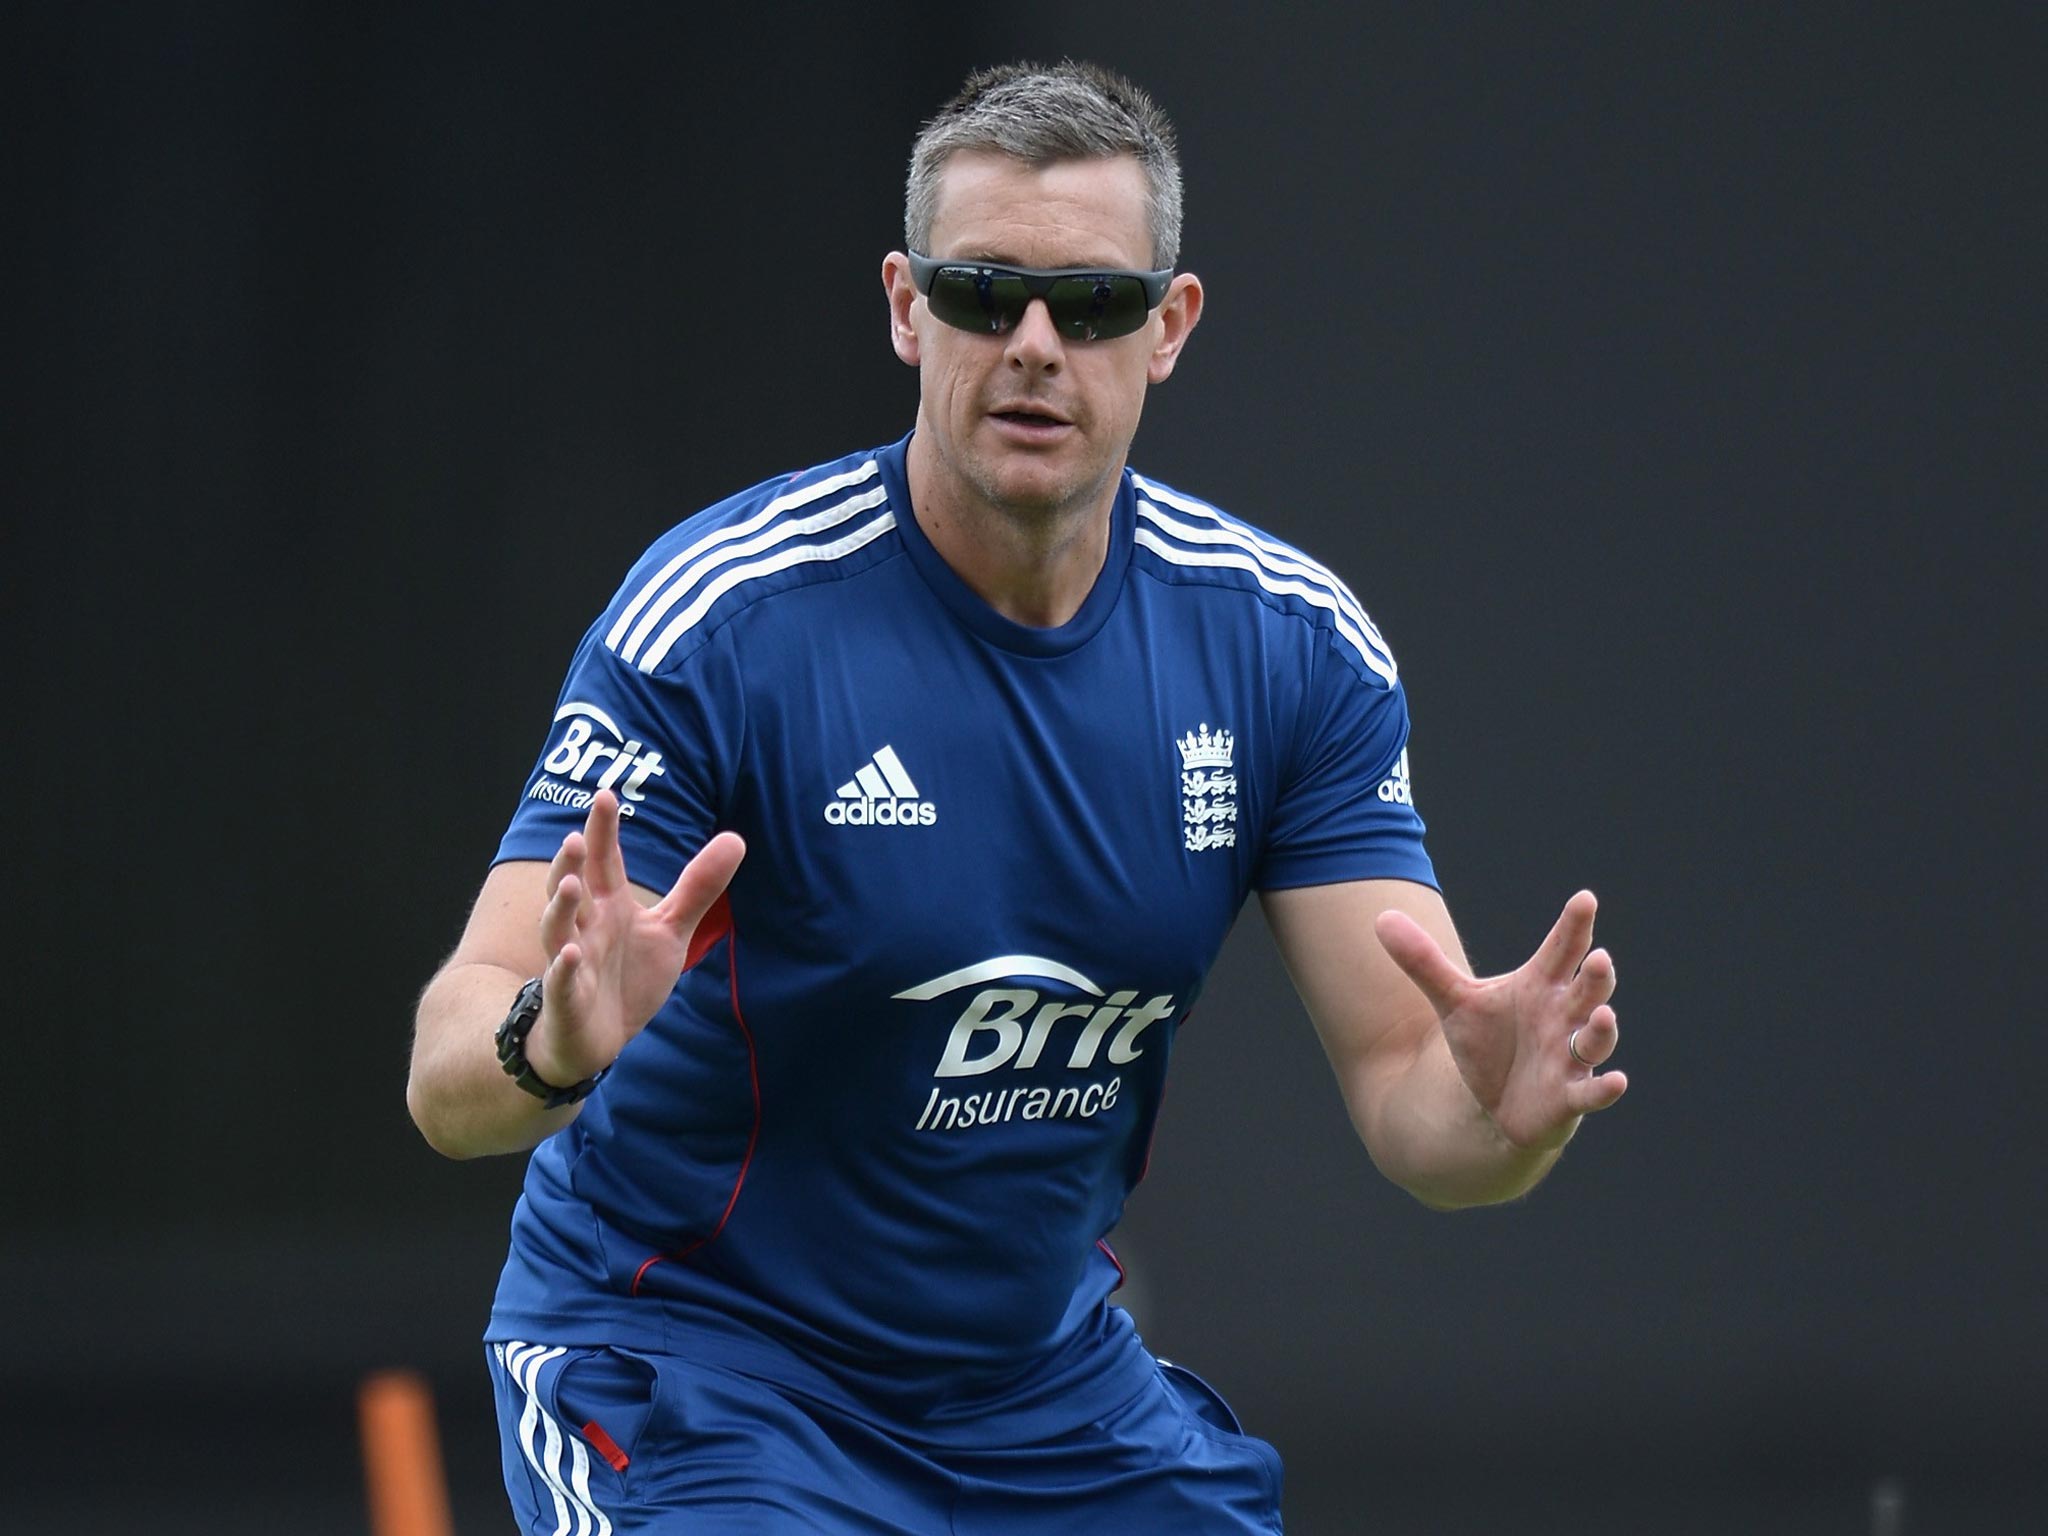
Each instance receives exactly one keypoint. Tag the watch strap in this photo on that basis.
(511, 1038)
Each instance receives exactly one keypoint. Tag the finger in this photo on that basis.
(1569, 938)
(1409, 945)
(568, 860)
(1590, 1095)
(558, 917)
(702, 882)
(1594, 984)
(560, 975)
(1594, 1041)
(606, 863)
(558, 987)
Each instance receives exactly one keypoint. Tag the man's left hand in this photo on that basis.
(1528, 1044)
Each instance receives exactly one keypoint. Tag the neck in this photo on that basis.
(1035, 565)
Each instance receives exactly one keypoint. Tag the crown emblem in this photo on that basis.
(1204, 750)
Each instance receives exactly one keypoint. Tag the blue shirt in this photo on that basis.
(872, 1145)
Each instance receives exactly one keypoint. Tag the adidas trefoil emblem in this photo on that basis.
(1208, 789)
(881, 795)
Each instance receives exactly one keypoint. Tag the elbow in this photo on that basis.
(1440, 1200)
(434, 1125)
(461, 1128)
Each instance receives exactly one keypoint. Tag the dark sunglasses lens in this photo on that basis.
(1097, 308)
(976, 300)
(1091, 308)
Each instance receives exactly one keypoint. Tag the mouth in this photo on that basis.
(1030, 418)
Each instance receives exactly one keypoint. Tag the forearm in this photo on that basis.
(459, 1096)
(1428, 1134)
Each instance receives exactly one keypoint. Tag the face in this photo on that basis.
(1029, 422)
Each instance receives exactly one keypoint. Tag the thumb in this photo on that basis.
(702, 881)
(1409, 945)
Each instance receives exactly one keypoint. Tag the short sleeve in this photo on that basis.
(1346, 808)
(662, 742)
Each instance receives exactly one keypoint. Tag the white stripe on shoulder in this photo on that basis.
(774, 509)
(780, 533)
(1279, 560)
(1251, 539)
(801, 554)
(1316, 595)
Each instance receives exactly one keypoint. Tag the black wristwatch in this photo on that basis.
(512, 1053)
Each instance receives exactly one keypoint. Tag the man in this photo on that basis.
(967, 751)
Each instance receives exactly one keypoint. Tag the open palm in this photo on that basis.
(1528, 1044)
(612, 959)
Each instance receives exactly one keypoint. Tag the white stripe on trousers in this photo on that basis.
(523, 1363)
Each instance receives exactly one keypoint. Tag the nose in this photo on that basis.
(1033, 345)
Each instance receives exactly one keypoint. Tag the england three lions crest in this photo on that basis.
(1208, 789)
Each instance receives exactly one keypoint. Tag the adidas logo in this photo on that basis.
(881, 795)
(1395, 789)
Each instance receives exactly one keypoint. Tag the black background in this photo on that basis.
(1667, 381)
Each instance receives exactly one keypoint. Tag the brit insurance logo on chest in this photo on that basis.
(1208, 789)
(1007, 1033)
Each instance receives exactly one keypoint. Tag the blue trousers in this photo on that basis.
(600, 1441)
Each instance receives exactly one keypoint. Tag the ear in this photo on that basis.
(902, 294)
(1178, 316)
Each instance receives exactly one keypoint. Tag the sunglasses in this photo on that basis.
(1085, 304)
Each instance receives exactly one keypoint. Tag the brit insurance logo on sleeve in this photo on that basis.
(592, 753)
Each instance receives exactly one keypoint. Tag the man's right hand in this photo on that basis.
(613, 961)
(608, 953)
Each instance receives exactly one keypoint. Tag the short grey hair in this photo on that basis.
(1041, 115)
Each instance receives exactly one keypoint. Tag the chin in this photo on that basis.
(1036, 484)
(1036, 493)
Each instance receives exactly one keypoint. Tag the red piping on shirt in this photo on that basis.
(1119, 1263)
(732, 966)
(1150, 1139)
(714, 925)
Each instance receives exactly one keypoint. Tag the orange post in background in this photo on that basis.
(402, 1456)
